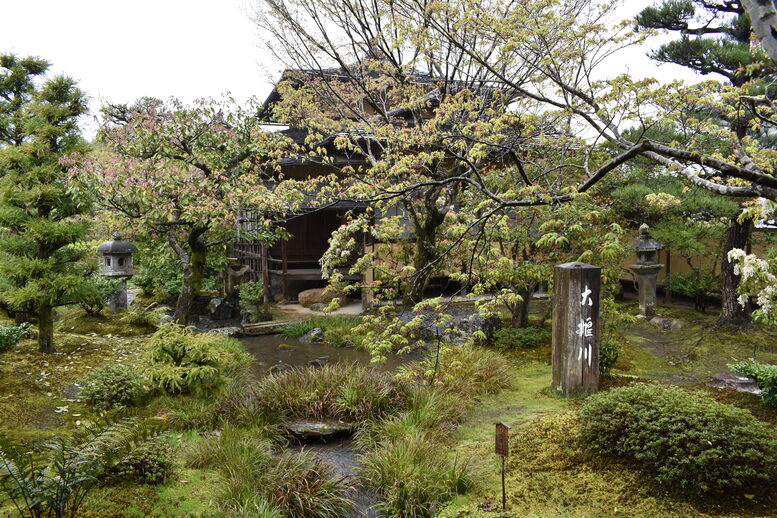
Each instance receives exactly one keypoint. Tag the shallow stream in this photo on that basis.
(275, 350)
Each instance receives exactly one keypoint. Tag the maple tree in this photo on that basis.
(182, 174)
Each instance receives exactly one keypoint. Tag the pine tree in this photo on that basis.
(715, 39)
(40, 221)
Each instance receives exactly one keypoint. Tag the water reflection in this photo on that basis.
(275, 350)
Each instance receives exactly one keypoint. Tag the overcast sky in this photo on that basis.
(119, 51)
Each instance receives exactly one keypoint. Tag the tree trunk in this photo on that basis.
(424, 254)
(193, 272)
(46, 329)
(425, 229)
(520, 317)
(732, 313)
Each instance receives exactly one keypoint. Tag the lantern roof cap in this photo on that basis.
(645, 242)
(117, 246)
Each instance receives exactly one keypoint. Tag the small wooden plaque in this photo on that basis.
(502, 439)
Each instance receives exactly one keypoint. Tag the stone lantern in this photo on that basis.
(646, 271)
(115, 261)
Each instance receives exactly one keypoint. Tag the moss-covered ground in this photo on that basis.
(551, 474)
(38, 400)
(549, 471)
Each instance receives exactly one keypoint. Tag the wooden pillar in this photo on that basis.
(266, 280)
(284, 270)
(576, 333)
(667, 291)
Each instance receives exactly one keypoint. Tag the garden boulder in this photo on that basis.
(319, 296)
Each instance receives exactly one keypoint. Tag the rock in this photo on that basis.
(318, 362)
(225, 331)
(165, 318)
(667, 323)
(285, 347)
(315, 335)
(321, 296)
(305, 430)
(734, 382)
(253, 316)
(279, 367)
(222, 308)
(318, 306)
(463, 325)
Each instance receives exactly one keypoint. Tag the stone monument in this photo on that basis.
(576, 288)
(646, 270)
(115, 261)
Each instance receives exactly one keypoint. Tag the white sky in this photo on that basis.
(119, 51)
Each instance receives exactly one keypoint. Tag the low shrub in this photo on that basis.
(55, 476)
(112, 386)
(139, 317)
(530, 337)
(347, 392)
(413, 476)
(250, 293)
(10, 336)
(765, 376)
(684, 440)
(102, 289)
(610, 350)
(149, 462)
(178, 360)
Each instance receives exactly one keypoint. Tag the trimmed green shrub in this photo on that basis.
(413, 476)
(10, 336)
(250, 293)
(765, 376)
(150, 462)
(687, 441)
(111, 386)
(530, 337)
(610, 350)
(178, 360)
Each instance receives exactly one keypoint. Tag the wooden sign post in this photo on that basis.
(576, 336)
(503, 450)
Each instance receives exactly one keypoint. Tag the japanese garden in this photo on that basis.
(459, 262)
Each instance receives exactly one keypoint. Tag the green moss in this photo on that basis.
(192, 494)
(550, 473)
(34, 385)
(77, 322)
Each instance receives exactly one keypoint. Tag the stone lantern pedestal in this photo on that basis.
(646, 271)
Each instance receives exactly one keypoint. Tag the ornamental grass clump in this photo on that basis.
(347, 392)
(289, 483)
(468, 371)
(413, 476)
(686, 441)
(178, 360)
